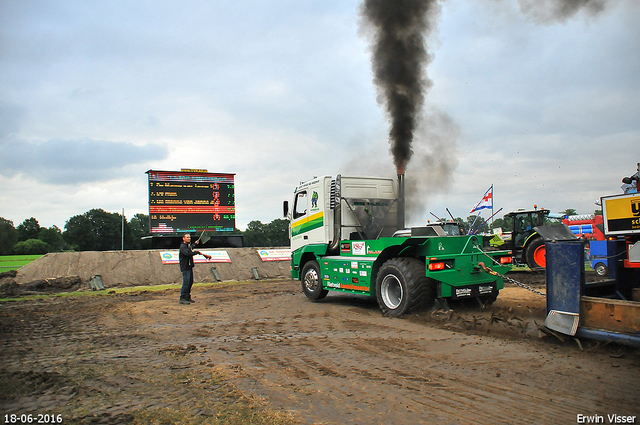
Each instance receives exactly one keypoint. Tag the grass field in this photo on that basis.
(14, 262)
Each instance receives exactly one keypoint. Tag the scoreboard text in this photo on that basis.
(191, 201)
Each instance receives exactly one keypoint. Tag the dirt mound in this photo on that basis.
(9, 286)
(139, 268)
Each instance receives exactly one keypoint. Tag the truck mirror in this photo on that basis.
(285, 208)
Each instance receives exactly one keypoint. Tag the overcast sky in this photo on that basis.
(544, 105)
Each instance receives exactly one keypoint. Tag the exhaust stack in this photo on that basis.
(336, 205)
(401, 207)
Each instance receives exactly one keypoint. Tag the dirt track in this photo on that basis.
(132, 358)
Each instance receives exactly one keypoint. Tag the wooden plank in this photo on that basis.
(610, 315)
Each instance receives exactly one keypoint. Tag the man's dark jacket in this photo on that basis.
(186, 257)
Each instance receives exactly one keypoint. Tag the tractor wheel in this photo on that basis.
(536, 255)
(402, 286)
(312, 281)
(600, 269)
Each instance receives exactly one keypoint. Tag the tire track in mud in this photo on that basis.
(336, 361)
(389, 365)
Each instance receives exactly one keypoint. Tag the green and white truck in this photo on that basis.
(342, 239)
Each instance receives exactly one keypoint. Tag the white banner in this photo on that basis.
(274, 254)
(172, 257)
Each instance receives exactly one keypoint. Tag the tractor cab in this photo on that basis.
(451, 228)
(526, 244)
(523, 222)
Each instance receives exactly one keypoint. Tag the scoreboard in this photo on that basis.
(191, 201)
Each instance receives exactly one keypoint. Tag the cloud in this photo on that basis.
(541, 106)
(10, 117)
(67, 162)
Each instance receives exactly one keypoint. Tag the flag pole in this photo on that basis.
(492, 214)
(487, 220)
(481, 205)
(473, 224)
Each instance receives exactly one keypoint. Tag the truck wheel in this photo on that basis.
(600, 269)
(536, 255)
(312, 281)
(402, 286)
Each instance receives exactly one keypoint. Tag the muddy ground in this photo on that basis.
(260, 352)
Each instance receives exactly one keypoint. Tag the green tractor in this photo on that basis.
(525, 243)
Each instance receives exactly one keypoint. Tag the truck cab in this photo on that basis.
(367, 208)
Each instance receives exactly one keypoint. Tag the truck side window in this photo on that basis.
(300, 206)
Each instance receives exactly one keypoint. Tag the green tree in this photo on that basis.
(278, 233)
(274, 234)
(505, 225)
(107, 227)
(478, 226)
(53, 237)
(255, 234)
(31, 247)
(99, 230)
(569, 211)
(78, 232)
(8, 236)
(95, 230)
(137, 227)
(28, 229)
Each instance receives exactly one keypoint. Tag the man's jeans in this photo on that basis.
(187, 282)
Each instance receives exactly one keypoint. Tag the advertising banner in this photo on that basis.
(622, 214)
(274, 254)
(172, 257)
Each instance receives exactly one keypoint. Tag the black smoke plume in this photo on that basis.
(399, 61)
(550, 11)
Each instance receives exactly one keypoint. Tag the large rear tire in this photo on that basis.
(312, 281)
(402, 286)
(536, 255)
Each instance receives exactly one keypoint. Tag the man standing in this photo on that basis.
(186, 267)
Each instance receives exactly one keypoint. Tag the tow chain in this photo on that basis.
(508, 279)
